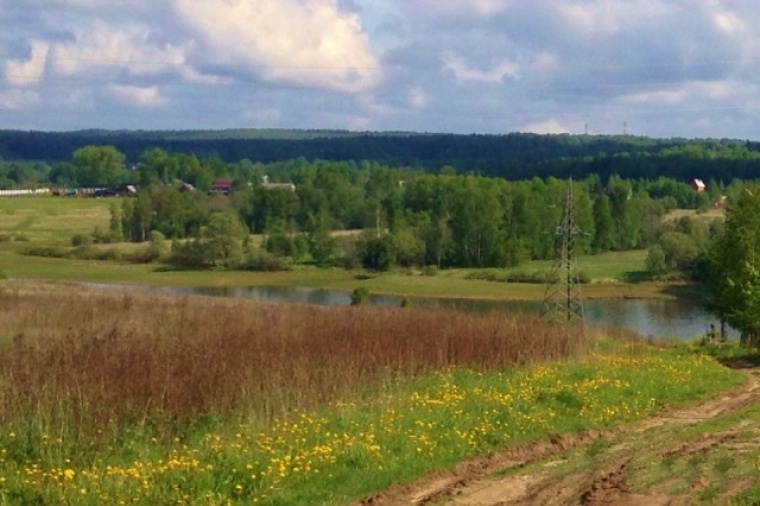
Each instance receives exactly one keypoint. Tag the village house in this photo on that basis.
(698, 185)
(222, 186)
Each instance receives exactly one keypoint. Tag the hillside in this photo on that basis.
(512, 156)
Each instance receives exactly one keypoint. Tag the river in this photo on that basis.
(660, 318)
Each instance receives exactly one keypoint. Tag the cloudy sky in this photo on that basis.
(686, 68)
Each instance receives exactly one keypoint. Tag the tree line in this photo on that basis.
(35, 156)
(399, 216)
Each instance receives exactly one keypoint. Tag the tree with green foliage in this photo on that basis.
(99, 166)
(115, 223)
(377, 253)
(224, 236)
(734, 259)
(603, 232)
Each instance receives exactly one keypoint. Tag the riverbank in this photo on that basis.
(610, 276)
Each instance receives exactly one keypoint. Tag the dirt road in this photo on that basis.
(704, 454)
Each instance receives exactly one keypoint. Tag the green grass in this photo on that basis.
(53, 218)
(617, 266)
(446, 283)
(352, 449)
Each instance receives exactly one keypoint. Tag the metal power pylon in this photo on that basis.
(562, 301)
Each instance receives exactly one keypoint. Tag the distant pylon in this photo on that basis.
(562, 301)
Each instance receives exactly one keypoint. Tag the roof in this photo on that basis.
(224, 183)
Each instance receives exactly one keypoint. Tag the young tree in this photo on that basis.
(603, 225)
(734, 277)
(223, 237)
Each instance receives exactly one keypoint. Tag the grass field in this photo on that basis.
(53, 218)
(109, 398)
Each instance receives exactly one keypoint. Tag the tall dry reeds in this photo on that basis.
(105, 357)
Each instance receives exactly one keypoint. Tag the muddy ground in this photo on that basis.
(703, 454)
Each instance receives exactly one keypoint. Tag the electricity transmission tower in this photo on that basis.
(562, 301)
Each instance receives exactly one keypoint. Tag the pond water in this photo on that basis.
(676, 318)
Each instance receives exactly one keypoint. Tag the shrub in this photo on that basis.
(144, 255)
(488, 275)
(263, 261)
(48, 251)
(190, 255)
(101, 236)
(93, 253)
(430, 270)
(78, 240)
(5, 237)
(360, 296)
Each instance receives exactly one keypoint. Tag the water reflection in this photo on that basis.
(658, 318)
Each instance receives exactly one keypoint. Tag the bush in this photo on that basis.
(78, 240)
(263, 261)
(536, 277)
(190, 255)
(6, 238)
(488, 275)
(360, 296)
(48, 251)
(101, 236)
(144, 255)
(430, 270)
(93, 253)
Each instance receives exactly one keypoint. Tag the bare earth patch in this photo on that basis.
(676, 466)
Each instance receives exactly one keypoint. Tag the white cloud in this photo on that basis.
(501, 71)
(309, 43)
(418, 99)
(28, 72)
(662, 96)
(104, 46)
(141, 96)
(359, 123)
(458, 7)
(550, 126)
(265, 116)
(728, 22)
(16, 99)
(607, 17)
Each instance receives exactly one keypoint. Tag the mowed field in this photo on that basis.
(52, 218)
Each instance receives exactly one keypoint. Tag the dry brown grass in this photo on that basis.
(106, 357)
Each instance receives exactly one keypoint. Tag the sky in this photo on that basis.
(661, 68)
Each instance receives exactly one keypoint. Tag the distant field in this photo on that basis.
(710, 214)
(52, 218)
(613, 266)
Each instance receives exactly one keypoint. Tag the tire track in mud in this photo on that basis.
(483, 482)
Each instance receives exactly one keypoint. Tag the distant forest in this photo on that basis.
(513, 156)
